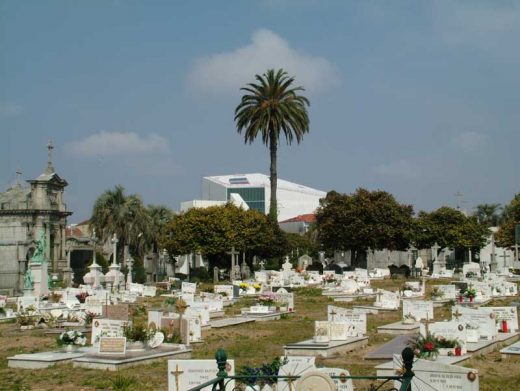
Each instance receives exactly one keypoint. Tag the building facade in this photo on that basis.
(255, 190)
(26, 211)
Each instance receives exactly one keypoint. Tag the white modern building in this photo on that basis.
(255, 191)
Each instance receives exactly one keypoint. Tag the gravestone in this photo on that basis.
(304, 261)
(321, 331)
(418, 309)
(186, 374)
(342, 382)
(295, 366)
(449, 330)
(215, 275)
(430, 375)
(479, 321)
(106, 328)
(315, 380)
(116, 312)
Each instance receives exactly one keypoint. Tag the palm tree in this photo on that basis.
(270, 107)
(116, 213)
(160, 215)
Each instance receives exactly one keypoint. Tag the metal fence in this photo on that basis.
(404, 378)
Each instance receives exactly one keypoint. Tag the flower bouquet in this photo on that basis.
(425, 347)
(257, 287)
(266, 299)
(243, 286)
(71, 340)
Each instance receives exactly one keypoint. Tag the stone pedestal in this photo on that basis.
(67, 276)
(40, 278)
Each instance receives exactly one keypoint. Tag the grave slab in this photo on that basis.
(131, 358)
(511, 351)
(373, 309)
(265, 317)
(484, 346)
(46, 359)
(326, 349)
(398, 328)
(226, 322)
(387, 351)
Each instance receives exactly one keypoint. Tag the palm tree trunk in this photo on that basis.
(273, 208)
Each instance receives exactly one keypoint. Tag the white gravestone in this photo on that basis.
(186, 374)
(418, 309)
(481, 320)
(342, 383)
(449, 292)
(448, 330)
(106, 328)
(321, 331)
(188, 287)
(295, 366)
(430, 375)
(509, 314)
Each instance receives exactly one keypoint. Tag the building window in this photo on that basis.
(253, 196)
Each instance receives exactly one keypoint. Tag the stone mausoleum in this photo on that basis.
(26, 211)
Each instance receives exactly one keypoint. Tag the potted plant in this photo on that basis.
(137, 335)
(470, 294)
(71, 340)
(257, 287)
(437, 294)
(243, 287)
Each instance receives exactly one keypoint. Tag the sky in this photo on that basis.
(419, 99)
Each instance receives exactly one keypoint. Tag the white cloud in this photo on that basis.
(118, 144)
(10, 109)
(469, 141)
(227, 72)
(400, 168)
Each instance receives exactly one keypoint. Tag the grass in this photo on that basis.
(251, 344)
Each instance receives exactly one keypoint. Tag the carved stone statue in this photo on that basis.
(39, 254)
(28, 280)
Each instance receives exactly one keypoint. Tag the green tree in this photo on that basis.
(511, 217)
(363, 220)
(269, 108)
(160, 215)
(449, 227)
(116, 213)
(213, 231)
(488, 214)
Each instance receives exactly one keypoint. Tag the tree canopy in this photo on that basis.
(511, 217)
(362, 220)
(269, 108)
(449, 227)
(115, 212)
(213, 231)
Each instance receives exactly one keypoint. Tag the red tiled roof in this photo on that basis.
(307, 218)
(73, 231)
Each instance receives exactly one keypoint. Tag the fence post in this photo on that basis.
(221, 357)
(407, 355)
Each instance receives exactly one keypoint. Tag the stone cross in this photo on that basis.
(505, 256)
(177, 375)
(516, 247)
(233, 253)
(333, 313)
(457, 314)
(427, 323)
(18, 176)
(262, 263)
(114, 242)
(129, 263)
(379, 294)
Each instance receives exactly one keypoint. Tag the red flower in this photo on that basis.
(429, 346)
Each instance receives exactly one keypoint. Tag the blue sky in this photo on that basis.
(416, 98)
